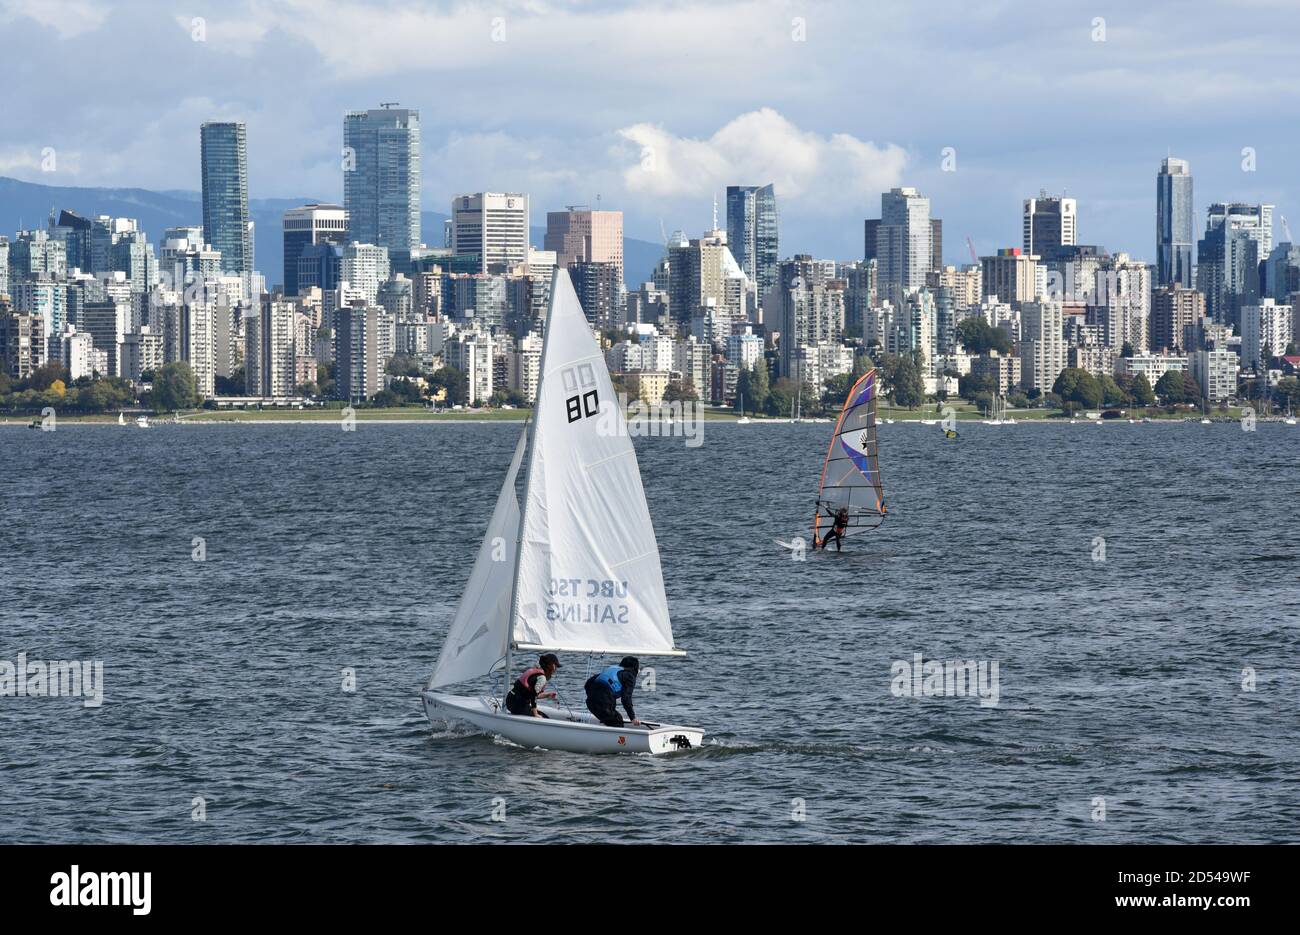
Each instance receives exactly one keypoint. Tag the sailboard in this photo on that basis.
(851, 473)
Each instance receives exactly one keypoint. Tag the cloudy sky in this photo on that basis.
(657, 106)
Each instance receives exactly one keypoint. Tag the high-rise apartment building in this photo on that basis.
(1042, 344)
(270, 348)
(1265, 332)
(1173, 308)
(363, 267)
(361, 350)
(1010, 275)
(22, 344)
(904, 243)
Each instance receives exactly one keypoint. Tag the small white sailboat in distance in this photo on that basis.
(744, 419)
(121, 419)
(576, 570)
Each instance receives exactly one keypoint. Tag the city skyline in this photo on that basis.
(828, 153)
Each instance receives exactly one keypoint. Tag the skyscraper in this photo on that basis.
(310, 224)
(492, 226)
(224, 157)
(870, 233)
(381, 176)
(1174, 223)
(1238, 237)
(904, 246)
(752, 233)
(1048, 223)
(580, 235)
(74, 231)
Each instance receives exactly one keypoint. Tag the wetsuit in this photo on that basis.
(522, 697)
(607, 687)
(837, 530)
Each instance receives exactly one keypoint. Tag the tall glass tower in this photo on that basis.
(224, 152)
(1174, 223)
(751, 233)
(904, 243)
(381, 177)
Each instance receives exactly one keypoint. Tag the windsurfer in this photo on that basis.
(523, 695)
(838, 528)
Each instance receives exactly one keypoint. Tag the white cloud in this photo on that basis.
(70, 18)
(756, 148)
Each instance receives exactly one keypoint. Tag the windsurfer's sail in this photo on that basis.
(851, 475)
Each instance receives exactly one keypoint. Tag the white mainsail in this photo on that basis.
(589, 578)
(477, 638)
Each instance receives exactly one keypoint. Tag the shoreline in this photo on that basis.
(514, 420)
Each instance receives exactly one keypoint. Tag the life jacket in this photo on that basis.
(523, 680)
(609, 678)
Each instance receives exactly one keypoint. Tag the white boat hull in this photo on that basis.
(562, 730)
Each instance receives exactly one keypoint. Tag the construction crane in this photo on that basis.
(1286, 229)
(971, 247)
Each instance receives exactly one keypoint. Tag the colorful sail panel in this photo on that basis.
(851, 474)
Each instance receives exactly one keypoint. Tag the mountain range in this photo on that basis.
(26, 205)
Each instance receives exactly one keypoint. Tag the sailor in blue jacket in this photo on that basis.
(611, 685)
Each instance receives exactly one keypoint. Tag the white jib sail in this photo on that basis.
(477, 638)
(589, 575)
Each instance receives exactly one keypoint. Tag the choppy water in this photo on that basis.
(1119, 679)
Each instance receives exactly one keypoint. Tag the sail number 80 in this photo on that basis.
(576, 379)
(580, 407)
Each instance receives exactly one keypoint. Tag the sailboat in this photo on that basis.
(998, 412)
(850, 474)
(575, 570)
(121, 419)
(744, 419)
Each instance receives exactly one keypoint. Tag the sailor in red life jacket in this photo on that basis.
(523, 695)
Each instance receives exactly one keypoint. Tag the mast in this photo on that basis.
(528, 477)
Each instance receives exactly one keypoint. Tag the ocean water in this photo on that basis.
(1123, 677)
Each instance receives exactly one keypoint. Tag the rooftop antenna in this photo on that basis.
(715, 211)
